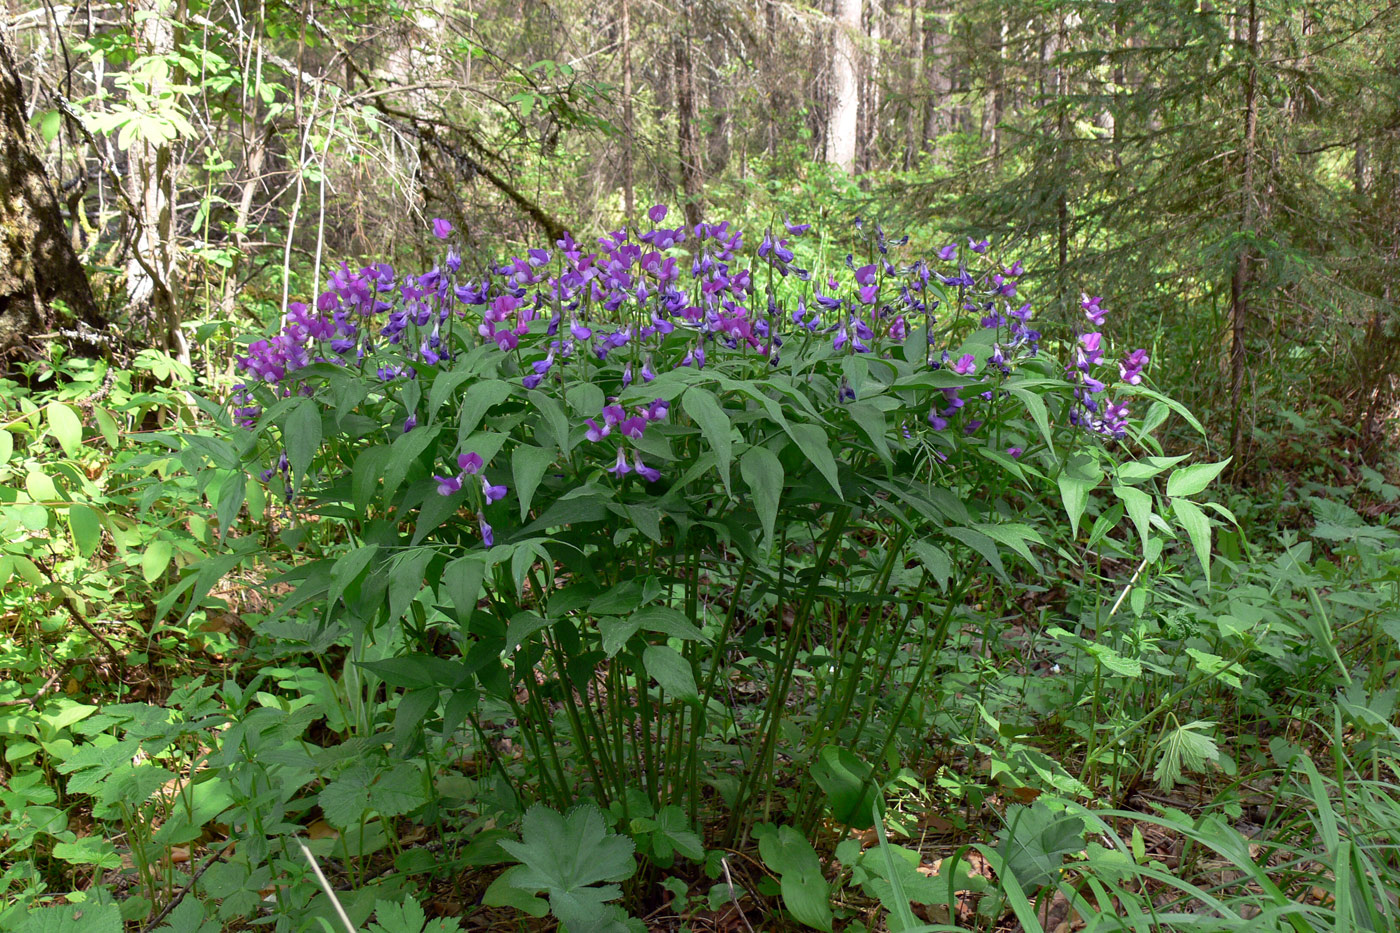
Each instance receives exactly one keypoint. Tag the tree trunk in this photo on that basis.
(688, 149)
(1239, 281)
(628, 196)
(937, 85)
(845, 88)
(150, 271)
(38, 267)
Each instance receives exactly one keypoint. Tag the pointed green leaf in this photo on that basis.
(702, 407)
(671, 671)
(763, 472)
(528, 466)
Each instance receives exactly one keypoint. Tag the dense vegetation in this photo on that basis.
(844, 466)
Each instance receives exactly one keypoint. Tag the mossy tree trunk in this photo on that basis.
(38, 268)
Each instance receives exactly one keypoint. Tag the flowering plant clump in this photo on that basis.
(602, 470)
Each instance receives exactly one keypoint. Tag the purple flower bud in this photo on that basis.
(1014, 452)
(797, 229)
(441, 228)
(487, 537)
(411, 423)
(532, 381)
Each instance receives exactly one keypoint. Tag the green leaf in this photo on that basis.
(845, 780)
(362, 790)
(1035, 842)
(1185, 748)
(66, 428)
(805, 892)
(86, 527)
(1139, 505)
(935, 561)
(349, 566)
(156, 558)
(671, 671)
(302, 437)
(462, 580)
(668, 621)
(89, 850)
(763, 472)
(566, 857)
(702, 407)
(617, 632)
(1036, 406)
(1197, 528)
(232, 493)
(813, 443)
(871, 421)
(74, 918)
(443, 386)
(1189, 480)
(478, 400)
(528, 466)
(1015, 536)
(7, 446)
(552, 419)
(1079, 476)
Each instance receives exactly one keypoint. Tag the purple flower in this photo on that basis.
(411, 423)
(978, 247)
(579, 331)
(1092, 311)
(447, 485)
(1014, 452)
(492, 493)
(613, 414)
(596, 433)
(949, 252)
(644, 471)
(620, 468)
(656, 410)
(487, 537)
(966, 365)
(470, 464)
(633, 427)
(441, 228)
(648, 374)
(1132, 365)
(938, 423)
(657, 213)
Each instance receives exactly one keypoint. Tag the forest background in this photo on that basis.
(176, 174)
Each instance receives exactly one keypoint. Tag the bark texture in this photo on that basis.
(38, 267)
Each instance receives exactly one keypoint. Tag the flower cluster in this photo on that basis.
(613, 314)
(1105, 416)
